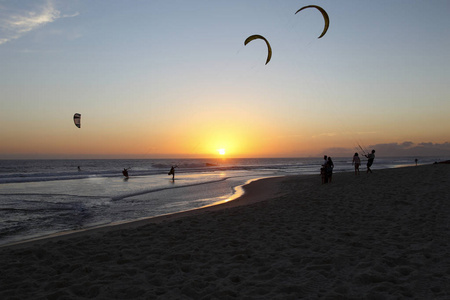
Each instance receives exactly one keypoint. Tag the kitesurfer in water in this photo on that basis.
(371, 157)
(125, 173)
(172, 172)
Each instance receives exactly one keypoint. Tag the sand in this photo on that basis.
(384, 235)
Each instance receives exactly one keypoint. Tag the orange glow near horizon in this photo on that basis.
(209, 135)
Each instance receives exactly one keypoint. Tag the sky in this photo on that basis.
(166, 79)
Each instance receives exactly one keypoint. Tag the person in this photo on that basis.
(370, 157)
(172, 172)
(416, 162)
(125, 172)
(329, 169)
(79, 169)
(323, 169)
(357, 162)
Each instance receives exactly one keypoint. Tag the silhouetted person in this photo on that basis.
(79, 169)
(357, 162)
(329, 169)
(370, 157)
(172, 172)
(323, 170)
(125, 173)
(416, 162)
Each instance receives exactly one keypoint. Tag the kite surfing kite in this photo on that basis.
(257, 36)
(77, 120)
(324, 14)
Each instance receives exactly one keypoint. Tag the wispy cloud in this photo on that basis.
(14, 23)
(325, 134)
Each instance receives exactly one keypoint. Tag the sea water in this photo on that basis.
(43, 197)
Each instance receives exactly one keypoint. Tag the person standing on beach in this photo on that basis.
(323, 170)
(356, 162)
(329, 169)
(371, 157)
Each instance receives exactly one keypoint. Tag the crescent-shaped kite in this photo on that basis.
(257, 36)
(324, 14)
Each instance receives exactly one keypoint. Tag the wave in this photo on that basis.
(49, 195)
(166, 188)
(155, 169)
(183, 165)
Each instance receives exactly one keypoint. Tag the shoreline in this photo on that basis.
(376, 236)
(252, 191)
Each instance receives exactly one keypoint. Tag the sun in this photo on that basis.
(221, 151)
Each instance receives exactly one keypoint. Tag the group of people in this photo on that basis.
(357, 161)
(326, 170)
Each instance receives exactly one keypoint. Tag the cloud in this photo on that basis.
(426, 144)
(325, 134)
(407, 144)
(14, 23)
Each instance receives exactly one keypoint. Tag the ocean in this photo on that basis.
(44, 197)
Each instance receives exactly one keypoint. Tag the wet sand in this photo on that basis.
(384, 235)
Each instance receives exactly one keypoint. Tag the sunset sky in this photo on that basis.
(162, 79)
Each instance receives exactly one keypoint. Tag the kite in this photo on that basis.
(77, 120)
(257, 36)
(325, 17)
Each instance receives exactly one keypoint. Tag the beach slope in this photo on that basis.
(376, 236)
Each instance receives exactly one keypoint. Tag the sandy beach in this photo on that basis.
(384, 235)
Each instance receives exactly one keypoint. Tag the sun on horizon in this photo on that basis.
(221, 151)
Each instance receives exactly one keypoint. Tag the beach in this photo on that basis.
(384, 235)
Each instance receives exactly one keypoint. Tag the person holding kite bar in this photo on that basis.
(371, 157)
